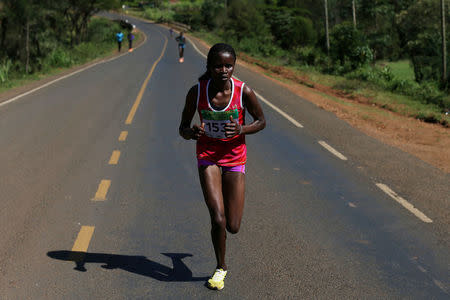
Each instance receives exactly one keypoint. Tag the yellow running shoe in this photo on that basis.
(216, 282)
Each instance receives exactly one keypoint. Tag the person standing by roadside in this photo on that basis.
(119, 38)
(221, 102)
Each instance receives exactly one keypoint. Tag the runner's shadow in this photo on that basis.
(134, 264)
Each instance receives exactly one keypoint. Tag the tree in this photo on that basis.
(326, 27)
(354, 12)
(290, 27)
(79, 12)
(444, 46)
(213, 13)
(421, 25)
(244, 20)
(350, 48)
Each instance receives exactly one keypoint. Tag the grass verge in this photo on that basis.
(354, 89)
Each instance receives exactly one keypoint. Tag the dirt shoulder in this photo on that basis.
(424, 140)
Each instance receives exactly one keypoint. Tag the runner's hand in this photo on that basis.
(197, 131)
(233, 128)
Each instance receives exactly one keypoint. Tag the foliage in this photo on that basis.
(99, 40)
(244, 21)
(34, 33)
(425, 56)
(420, 23)
(213, 14)
(5, 68)
(290, 27)
(425, 92)
(159, 15)
(350, 49)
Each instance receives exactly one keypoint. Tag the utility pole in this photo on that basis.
(354, 13)
(444, 46)
(326, 27)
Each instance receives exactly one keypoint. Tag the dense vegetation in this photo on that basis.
(293, 32)
(39, 35)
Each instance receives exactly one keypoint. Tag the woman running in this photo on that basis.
(181, 44)
(221, 102)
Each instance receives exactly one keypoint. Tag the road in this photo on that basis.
(100, 196)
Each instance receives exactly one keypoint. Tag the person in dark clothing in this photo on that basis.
(130, 37)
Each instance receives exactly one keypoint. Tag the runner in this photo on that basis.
(119, 38)
(181, 43)
(130, 37)
(221, 102)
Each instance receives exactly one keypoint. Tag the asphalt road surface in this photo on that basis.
(100, 197)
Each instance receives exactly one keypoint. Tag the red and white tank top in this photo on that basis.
(214, 146)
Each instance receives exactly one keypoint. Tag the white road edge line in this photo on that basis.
(332, 150)
(65, 76)
(288, 117)
(404, 203)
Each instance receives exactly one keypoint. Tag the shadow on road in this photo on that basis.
(134, 264)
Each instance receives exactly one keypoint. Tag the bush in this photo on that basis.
(306, 55)
(158, 15)
(59, 58)
(290, 29)
(349, 49)
(404, 86)
(425, 56)
(5, 68)
(429, 93)
(244, 21)
(102, 30)
(426, 92)
(366, 73)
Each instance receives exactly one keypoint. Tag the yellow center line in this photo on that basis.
(84, 237)
(123, 136)
(144, 85)
(114, 157)
(102, 190)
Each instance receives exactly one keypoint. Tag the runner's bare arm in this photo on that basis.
(190, 106)
(254, 108)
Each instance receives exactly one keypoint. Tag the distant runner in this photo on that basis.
(181, 43)
(119, 38)
(130, 37)
(221, 102)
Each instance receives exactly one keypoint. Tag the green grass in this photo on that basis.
(400, 104)
(401, 69)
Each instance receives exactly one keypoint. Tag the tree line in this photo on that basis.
(336, 36)
(30, 30)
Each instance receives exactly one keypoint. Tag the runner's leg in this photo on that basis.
(211, 182)
(233, 187)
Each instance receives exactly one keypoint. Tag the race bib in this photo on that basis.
(215, 122)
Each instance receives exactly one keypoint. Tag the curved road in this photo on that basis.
(100, 196)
